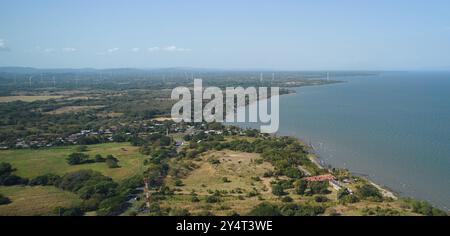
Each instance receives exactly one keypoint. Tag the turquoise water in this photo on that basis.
(393, 127)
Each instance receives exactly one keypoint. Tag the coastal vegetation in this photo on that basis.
(100, 147)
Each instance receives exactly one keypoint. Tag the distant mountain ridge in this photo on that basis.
(28, 70)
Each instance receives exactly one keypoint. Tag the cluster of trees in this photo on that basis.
(424, 208)
(284, 153)
(365, 191)
(300, 186)
(46, 180)
(369, 192)
(378, 211)
(312, 188)
(7, 178)
(344, 196)
(278, 188)
(155, 139)
(4, 200)
(79, 158)
(156, 173)
(202, 136)
(21, 120)
(290, 209)
(99, 193)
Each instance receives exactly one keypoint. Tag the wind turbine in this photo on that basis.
(29, 80)
(76, 81)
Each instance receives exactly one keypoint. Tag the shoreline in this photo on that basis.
(318, 161)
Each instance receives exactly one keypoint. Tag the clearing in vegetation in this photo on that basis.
(27, 98)
(32, 163)
(37, 200)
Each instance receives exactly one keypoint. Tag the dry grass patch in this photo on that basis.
(236, 167)
(72, 109)
(27, 98)
(39, 200)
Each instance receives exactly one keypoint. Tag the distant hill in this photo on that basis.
(30, 70)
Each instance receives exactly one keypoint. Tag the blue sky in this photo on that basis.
(303, 35)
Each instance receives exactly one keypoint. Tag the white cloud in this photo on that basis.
(44, 50)
(69, 49)
(49, 50)
(176, 49)
(112, 50)
(3, 46)
(135, 49)
(153, 49)
(169, 49)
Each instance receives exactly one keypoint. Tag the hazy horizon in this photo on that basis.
(220, 69)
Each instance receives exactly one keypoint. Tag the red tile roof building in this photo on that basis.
(320, 178)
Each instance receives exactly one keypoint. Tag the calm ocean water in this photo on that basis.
(393, 127)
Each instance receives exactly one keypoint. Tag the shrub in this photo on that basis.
(112, 162)
(369, 191)
(212, 199)
(301, 186)
(112, 206)
(252, 193)
(7, 178)
(318, 187)
(179, 212)
(5, 169)
(46, 180)
(178, 183)
(195, 199)
(278, 190)
(77, 158)
(426, 208)
(320, 198)
(4, 200)
(11, 180)
(226, 180)
(292, 172)
(214, 161)
(204, 213)
(380, 212)
(268, 174)
(265, 209)
(301, 210)
(99, 158)
(344, 196)
(287, 199)
(75, 211)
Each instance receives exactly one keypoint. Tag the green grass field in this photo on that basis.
(27, 98)
(39, 200)
(32, 163)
